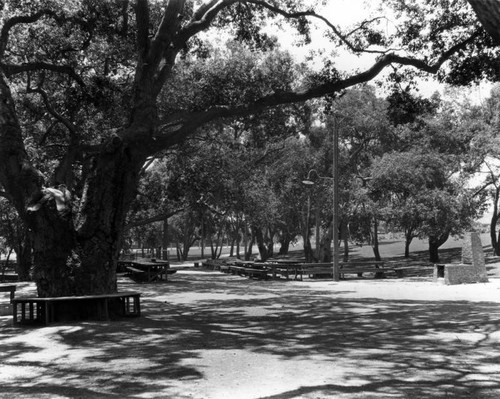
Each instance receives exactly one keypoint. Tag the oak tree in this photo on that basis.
(84, 80)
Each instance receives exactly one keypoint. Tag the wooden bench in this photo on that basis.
(284, 270)
(47, 310)
(360, 267)
(225, 268)
(212, 264)
(317, 270)
(255, 272)
(133, 270)
(233, 269)
(400, 271)
(9, 288)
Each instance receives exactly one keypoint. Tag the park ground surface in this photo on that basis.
(209, 335)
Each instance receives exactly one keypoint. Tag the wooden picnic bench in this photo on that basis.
(249, 269)
(36, 310)
(225, 268)
(9, 288)
(149, 271)
(285, 269)
(317, 270)
(364, 266)
(325, 270)
(251, 272)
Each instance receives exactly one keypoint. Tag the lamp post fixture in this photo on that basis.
(335, 179)
(335, 233)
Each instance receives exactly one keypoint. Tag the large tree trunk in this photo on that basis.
(77, 254)
(284, 243)
(407, 248)
(434, 243)
(345, 237)
(408, 240)
(248, 248)
(74, 250)
(24, 252)
(488, 13)
(375, 246)
(326, 246)
(264, 243)
(495, 243)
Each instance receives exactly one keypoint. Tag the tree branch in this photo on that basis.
(180, 125)
(13, 69)
(27, 19)
(142, 20)
(205, 15)
(21, 19)
(166, 32)
(66, 122)
(313, 14)
(202, 19)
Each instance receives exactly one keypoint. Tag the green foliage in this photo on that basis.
(405, 107)
(231, 76)
(430, 26)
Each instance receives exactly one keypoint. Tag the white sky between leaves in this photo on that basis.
(347, 14)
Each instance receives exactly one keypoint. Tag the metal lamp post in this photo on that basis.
(335, 221)
(335, 234)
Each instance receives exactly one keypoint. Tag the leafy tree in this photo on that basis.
(424, 188)
(486, 151)
(107, 73)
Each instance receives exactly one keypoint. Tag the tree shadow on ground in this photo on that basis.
(361, 347)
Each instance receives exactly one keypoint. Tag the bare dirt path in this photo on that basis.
(214, 336)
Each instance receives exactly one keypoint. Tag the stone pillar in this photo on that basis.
(472, 254)
(471, 270)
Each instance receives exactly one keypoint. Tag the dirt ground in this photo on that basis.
(208, 335)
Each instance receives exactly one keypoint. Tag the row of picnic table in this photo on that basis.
(298, 268)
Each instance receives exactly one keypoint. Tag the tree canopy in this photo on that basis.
(90, 90)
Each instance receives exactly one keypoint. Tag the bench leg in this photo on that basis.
(104, 311)
(379, 275)
(48, 310)
(14, 313)
(137, 305)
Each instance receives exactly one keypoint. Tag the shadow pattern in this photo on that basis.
(375, 348)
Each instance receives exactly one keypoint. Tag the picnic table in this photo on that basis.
(247, 268)
(285, 267)
(363, 266)
(147, 270)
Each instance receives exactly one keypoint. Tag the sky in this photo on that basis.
(343, 13)
(346, 13)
